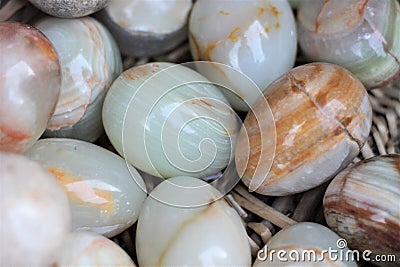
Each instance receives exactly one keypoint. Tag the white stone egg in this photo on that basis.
(84, 248)
(35, 215)
(256, 37)
(186, 222)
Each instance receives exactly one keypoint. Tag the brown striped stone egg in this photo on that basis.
(322, 118)
(362, 204)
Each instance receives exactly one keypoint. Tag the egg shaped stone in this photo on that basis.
(146, 28)
(35, 216)
(257, 38)
(186, 222)
(84, 248)
(305, 244)
(362, 36)
(362, 205)
(90, 61)
(104, 192)
(322, 116)
(30, 81)
(168, 120)
(69, 8)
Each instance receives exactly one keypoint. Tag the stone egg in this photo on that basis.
(146, 28)
(84, 248)
(35, 215)
(305, 244)
(30, 81)
(105, 193)
(257, 38)
(69, 8)
(168, 120)
(362, 36)
(90, 62)
(362, 205)
(186, 222)
(322, 118)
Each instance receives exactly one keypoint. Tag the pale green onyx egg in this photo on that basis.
(105, 193)
(84, 248)
(185, 222)
(168, 120)
(305, 244)
(90, 61)
(255, 37)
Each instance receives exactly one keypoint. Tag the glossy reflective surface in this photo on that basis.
(89, 249)
(147, 28)
(257, 38)
(90, 62)
(322, 116)
(169, 234)
(105, 196)
(360, 35)
(308, 239)
(167, 120)
(362, 204)
(30, 81)
(35, 216)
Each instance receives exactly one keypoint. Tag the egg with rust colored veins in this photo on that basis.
(84, 248)
(257, 38)
(90, 62)
(306, 244)
(69, 8)
(168, 120)
(187, 222)
(322, 117)
(362, 205)
(362, 36)
(30, 82)
(35, 215)
(105, 193)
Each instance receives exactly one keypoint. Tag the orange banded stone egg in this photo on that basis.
(322, 117)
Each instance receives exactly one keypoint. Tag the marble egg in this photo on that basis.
(84, 248)
(257, 38)
(30, 81)
(305, 244)
(90, 62)
(362, 36)
(35, 216)
(104, 192)
(322, 116)
(167, 120)
(186, 222)
(362, 204)
(69, 8)
(146, 27)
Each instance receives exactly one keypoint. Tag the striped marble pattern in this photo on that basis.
(90, 62)
(362, 36)
(167, 120)
(322, 118)
(362, 204)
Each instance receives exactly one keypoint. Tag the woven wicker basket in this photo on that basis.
(263, 215)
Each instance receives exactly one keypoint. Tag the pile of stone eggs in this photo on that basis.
(62, 81)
